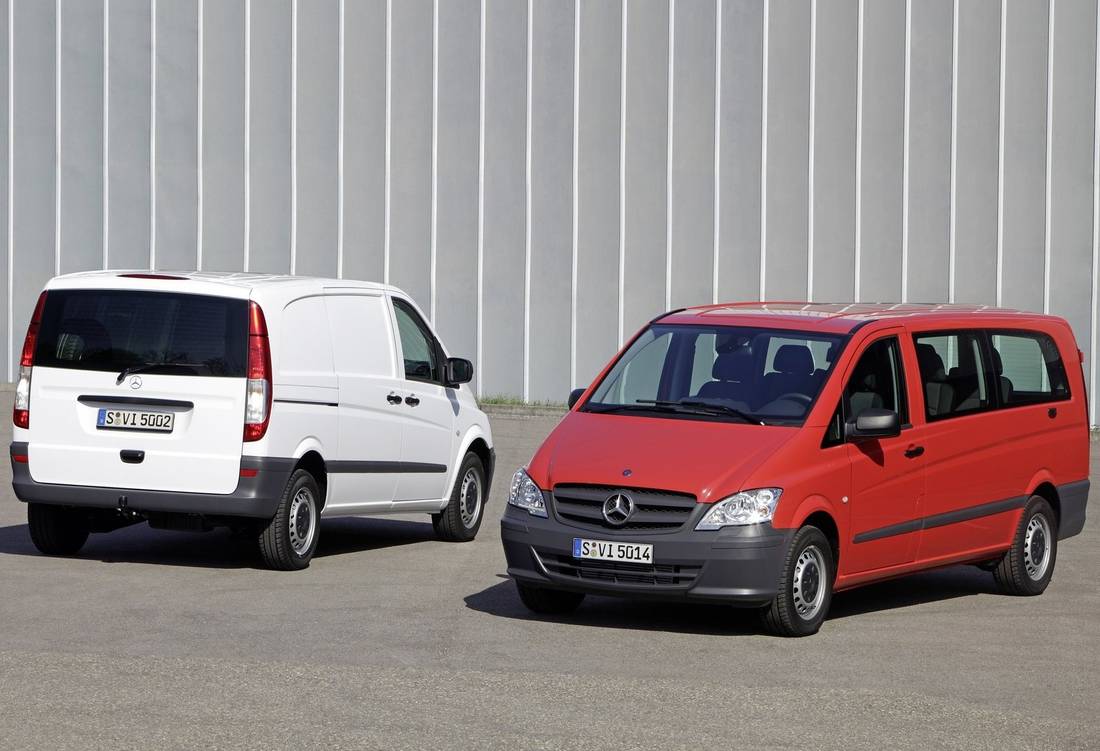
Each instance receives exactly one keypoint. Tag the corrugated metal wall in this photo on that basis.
(545, 175)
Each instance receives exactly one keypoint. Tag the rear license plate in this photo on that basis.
(130, 419)
(600, 550)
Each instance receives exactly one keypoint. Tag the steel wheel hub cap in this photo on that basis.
(469, 499)
(1037, 547)
(808, 585)
(303, 521)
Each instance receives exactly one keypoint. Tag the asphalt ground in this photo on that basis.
(391, 640)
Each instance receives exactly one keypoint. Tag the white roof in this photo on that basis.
(123, 278)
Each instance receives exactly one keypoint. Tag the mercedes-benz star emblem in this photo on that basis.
(135, 382)
(617, 509)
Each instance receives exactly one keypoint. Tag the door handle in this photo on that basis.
(1052, 412)
(393, 398)
(412, 400)
(914, 451)
(132, 456)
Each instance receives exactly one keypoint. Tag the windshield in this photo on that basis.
(740, 374)
(158, 332)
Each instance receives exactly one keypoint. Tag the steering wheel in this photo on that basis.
(794, 396)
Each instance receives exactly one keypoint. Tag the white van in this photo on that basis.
(193, 400)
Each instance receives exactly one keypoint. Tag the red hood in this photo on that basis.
(710, 460)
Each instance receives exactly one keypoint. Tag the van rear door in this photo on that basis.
(139, 389)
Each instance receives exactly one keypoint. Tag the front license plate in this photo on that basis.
(129, 419)
(600, 550)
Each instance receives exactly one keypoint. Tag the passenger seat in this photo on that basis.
(939, 396)
(732, 373)
(794, 365)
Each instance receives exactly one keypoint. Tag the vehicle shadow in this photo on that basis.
(502, 601)
(219, 548)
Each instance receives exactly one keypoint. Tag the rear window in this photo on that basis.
(169, 333)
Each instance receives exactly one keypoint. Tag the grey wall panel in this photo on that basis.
(535, 231)
(318, 124)
(739, 158)
(978, 102)
(177, 134)
(834, 190)
(504, 229)
(129, 67)
(411, 149)
(647, 69)
(1025, 91)
(929, 151)
(269, 221)
(883, 84)
(598, 188)
(551, 198)
(33, 163)
(693, 155)
(364, 138)
(223, 141)
(81, 124)
(788, 151)
(456, 168)
(1071, 165)
(5, 166)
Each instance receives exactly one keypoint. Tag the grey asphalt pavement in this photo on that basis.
(392, 640)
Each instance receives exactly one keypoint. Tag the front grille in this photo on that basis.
(622, 573)
(655, 510)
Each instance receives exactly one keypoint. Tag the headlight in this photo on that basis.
(746, 507)
(525, 494)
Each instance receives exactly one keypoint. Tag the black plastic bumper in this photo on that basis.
(256, 496)
(1072, 497)
(736, 565)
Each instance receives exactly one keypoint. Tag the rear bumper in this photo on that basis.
(1072, 497)
(256, 496)
(736, 565)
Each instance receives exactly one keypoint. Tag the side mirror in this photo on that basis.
(874, 422)
(574, 396)
(457, 371)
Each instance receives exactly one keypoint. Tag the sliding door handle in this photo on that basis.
(394, 398)
(412, 400)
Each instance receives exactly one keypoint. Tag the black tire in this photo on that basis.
(287, 548)
(1027, 567)
(548, 601)
(807, 574)
(56, 530)
(461, 519)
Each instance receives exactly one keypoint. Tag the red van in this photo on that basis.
(768, 455)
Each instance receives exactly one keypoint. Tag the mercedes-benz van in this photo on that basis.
(768, 455)
(262, 403)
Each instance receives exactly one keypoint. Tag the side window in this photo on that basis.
(834, 434)
(953, 374)
(1028, 367)
(640, 377)
(417, 344)
(878, 381)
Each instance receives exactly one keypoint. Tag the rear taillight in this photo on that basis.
(257, 406)
(21, 413)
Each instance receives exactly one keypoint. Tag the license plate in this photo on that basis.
(130, 419)
(600, 550)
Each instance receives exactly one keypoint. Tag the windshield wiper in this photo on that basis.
(699, 406)
(150, 366)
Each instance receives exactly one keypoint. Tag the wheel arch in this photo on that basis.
(309, 456)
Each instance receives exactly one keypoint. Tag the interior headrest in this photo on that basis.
(930, 362)
(795, 359)
(733, 366)
(81, 338)
(998, 363)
